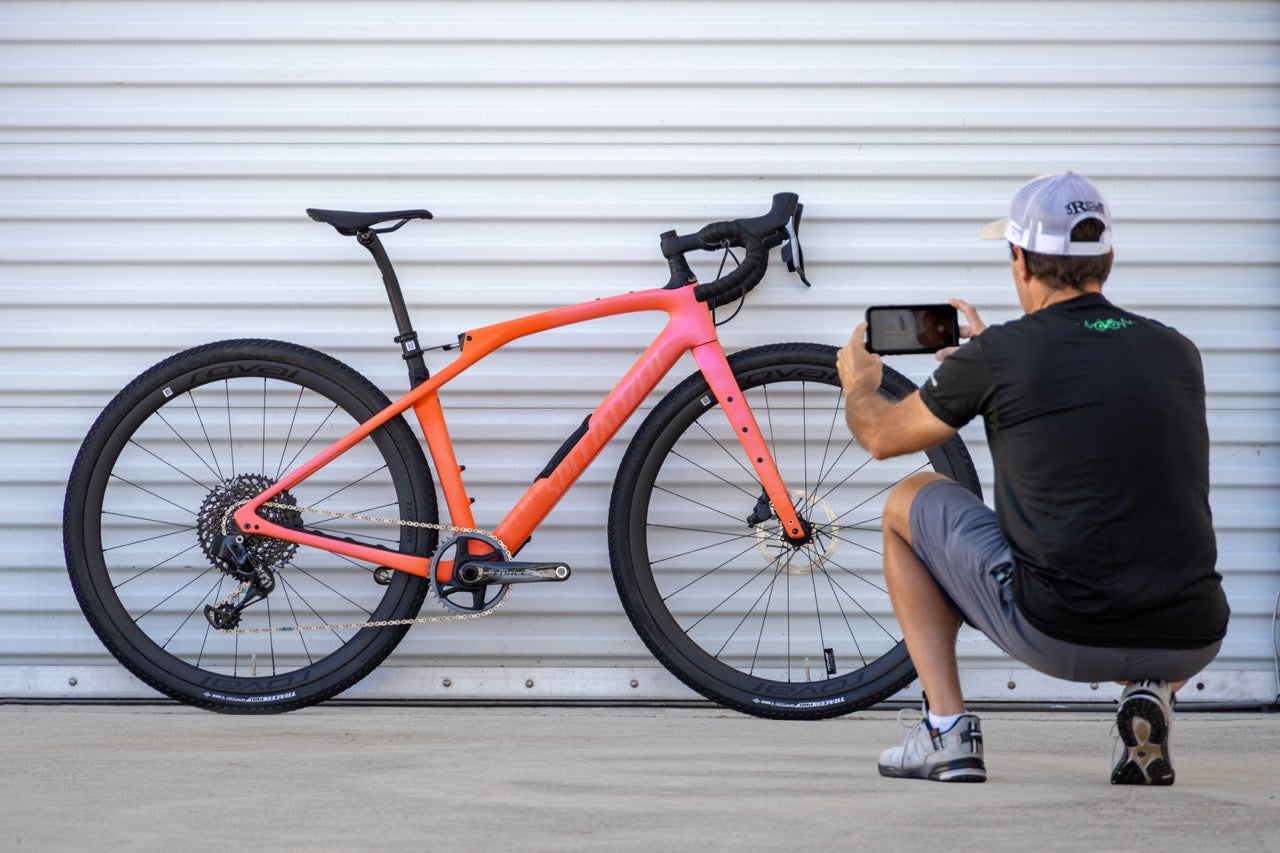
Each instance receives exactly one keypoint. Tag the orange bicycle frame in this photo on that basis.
(689, 328)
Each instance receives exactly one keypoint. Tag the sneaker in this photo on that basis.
(1143, 722)
(951, 756)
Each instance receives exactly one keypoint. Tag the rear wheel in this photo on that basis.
(149, 502)
(702, 567)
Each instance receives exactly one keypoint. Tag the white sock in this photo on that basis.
(943, 724)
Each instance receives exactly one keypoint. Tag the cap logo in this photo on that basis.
(1085, 207)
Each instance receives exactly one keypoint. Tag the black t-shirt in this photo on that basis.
(1096, 422)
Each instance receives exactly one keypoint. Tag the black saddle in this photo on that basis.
(351, 222)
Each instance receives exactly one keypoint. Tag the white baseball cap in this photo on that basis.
(1045, 210)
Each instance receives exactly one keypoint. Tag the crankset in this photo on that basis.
(483, 572)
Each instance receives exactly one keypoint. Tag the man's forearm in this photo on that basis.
(884, 426)
(887, 427)
(867, 411)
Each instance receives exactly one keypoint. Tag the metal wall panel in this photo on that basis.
(155, 160)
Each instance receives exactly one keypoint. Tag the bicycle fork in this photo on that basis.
(715, 368)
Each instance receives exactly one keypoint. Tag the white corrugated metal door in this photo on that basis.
(155, 160)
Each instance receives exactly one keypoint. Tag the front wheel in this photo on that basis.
(702, 567)
(149, 503)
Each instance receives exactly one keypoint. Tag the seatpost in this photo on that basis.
(407, 337)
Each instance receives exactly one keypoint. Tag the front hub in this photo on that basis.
(811, 551)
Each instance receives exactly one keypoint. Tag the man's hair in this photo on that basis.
(1072, 272)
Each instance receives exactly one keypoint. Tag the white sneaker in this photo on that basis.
(951, 756)
(1143, 721)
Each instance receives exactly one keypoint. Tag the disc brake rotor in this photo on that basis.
(821, 546)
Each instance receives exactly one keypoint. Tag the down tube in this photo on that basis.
(715, 367)
(602, 425)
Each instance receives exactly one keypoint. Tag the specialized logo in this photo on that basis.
(1108, 324)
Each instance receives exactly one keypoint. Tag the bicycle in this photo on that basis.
(229, 565)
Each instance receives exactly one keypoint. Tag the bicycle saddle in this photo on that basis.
(351, 222)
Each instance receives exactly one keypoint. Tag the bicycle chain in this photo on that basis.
(385, 623)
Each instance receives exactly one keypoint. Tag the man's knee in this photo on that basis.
(897, 507)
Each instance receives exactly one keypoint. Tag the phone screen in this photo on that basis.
(903, 329)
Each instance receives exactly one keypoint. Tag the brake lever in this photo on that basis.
(792, 253)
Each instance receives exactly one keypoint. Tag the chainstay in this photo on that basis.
(384, 623)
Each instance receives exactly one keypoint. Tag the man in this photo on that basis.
(1098, 561)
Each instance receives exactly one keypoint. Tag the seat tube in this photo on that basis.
(715, 367)
(431, 418)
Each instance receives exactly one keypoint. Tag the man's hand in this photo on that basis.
(859, 370)
(975, 327)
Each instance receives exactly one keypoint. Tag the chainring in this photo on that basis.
(453, 595)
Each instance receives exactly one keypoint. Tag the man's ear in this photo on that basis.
(1019, 264)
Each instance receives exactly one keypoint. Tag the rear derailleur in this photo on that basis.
(256, 582)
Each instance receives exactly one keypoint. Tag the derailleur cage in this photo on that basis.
(257, 582)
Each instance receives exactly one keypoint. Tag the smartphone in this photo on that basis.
(903, 329)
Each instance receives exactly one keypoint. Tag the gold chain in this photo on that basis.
(386, 623)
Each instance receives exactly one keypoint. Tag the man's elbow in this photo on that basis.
(888, 429)
(886, 444)
(879, 447)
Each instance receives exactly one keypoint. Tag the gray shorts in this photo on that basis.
(956, 536)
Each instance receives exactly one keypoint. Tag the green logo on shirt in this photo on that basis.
(1109, 324)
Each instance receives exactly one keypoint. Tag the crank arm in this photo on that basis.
(483, 574)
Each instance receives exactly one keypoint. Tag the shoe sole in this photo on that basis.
(960, 770)
(1144, 731)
